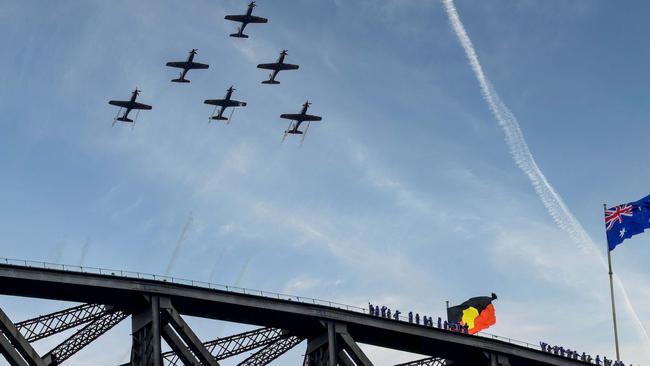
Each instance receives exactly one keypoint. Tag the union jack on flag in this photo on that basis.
(626, 220)
(616, 214)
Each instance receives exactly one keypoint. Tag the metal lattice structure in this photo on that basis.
(157, 308)
(50, 324)
(431, 361)
(271, 352)
(84, 337)
(226, 347)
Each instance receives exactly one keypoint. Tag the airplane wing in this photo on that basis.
(278, 66)
(197, 65)
(236, 103)
(311, 118)
(274, 66)
(120, 103)
(237, 18)
(129, 105)
(301, 117)
(180, 65)
(225, 103)
(136, 105)
(216, 102)
(288, 67)
(254, 19)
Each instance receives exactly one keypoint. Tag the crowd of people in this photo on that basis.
(385, 312)
(573, 354)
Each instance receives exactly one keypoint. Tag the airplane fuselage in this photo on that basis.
(229, 94)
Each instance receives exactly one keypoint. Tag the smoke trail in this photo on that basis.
(215, 266)
(179, 244)
(524, 158)
(84, 252)
(243, 271)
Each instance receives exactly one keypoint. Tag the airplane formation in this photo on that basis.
(296, 119)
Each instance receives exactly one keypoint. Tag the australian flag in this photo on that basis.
(626, 220)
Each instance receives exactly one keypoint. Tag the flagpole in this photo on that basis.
(447, 302)
(611, 289)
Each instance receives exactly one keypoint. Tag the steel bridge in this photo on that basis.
(156, 306)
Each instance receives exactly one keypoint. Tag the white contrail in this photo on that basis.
(525, 160)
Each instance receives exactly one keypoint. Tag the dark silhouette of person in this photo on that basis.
(417, 318)
(439, 322)
(410, 317)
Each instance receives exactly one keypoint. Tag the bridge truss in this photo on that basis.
(157, 309)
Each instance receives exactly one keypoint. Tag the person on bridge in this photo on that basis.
(410, 317)
(417, 318)
(439, 322)
(383, 311)
(446, 325)
(397, 313)
(597, 360)
(543, 345)
(388, 313)
(466, 329)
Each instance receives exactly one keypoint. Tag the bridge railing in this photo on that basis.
(177, 280)
(214, 286)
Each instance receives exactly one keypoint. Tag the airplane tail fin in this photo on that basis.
(124, 119)
(180, 80)
(239, 35)
(272, 82)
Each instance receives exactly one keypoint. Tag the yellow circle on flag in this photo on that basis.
(469, 315)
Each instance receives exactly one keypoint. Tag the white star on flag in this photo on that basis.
(622, 232)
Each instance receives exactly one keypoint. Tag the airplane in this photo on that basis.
(129, 105)
(187, 66)
(277, 67)
(224, 103)
(246, 19)
(297, 119)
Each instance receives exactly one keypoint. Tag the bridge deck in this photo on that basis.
(302, 318)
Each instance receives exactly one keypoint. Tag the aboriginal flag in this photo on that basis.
(477, 313)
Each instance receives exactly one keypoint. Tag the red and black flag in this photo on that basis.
(477, 313)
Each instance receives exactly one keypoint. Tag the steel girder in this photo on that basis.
(174, 341)
(234, 345)
(14, 346)
(335, 347)
(84, 337)
(174, 320)
(53, 323)
(146, 327)
(431, 361)
(271, 352)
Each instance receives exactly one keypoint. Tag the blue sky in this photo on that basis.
(406, 194)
